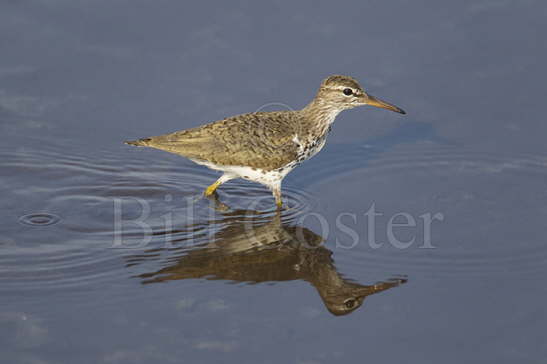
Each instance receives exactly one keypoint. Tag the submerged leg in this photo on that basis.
(212, 188)
(276, 191)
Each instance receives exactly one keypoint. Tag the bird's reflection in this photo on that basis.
(252, 247)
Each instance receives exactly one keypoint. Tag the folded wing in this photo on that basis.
(259, 140)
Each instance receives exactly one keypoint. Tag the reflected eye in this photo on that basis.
(348, 91)
(349, 303)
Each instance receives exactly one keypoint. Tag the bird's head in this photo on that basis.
(344, 92)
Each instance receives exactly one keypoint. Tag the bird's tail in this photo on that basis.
(140, 143)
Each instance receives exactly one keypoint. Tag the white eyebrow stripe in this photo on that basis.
(342, 88)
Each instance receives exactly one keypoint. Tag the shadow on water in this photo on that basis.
(253, 248)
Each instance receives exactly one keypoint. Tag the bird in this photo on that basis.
(264, 147)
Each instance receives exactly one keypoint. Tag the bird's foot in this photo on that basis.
(211, 189)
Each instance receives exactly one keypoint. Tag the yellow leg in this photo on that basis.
(212, 188)
(277, 194)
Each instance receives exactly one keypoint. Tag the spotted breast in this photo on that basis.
(307, 148)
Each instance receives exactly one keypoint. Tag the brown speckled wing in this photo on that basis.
(261, 140)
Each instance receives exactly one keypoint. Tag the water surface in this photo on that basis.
(407, 239)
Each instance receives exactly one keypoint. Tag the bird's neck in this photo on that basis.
(320, 114)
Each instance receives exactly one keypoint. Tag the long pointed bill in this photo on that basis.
(373, 101)
(379, 287)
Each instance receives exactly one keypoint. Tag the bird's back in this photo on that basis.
(262, 140)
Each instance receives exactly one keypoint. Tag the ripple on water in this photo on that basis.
(39, 219)
(493, 207)
(100, 197)
(77, 250)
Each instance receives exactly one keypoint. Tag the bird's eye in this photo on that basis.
(348, 91)
(349, 303)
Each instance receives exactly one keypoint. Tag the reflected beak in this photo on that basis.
(373, 101)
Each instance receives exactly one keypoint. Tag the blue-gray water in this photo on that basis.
(109, 255)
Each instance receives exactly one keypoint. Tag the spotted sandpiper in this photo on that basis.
(264, 147)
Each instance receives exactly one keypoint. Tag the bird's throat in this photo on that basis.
(320, 115)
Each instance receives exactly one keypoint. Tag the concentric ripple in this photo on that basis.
(117, 204)
(493, 207)
(111, 204)
(39, 219)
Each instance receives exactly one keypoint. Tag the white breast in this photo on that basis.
(267, 178)
(272, 179)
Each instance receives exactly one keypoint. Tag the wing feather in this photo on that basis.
(261, 140)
